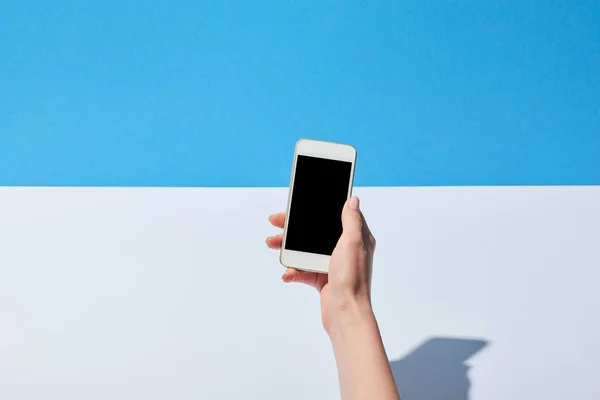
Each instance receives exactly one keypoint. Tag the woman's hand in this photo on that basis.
(363, 368)
(346, 290)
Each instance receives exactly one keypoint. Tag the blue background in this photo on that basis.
(211, 93)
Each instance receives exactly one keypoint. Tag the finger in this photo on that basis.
(322, 280)
(274, 242)
(277, 220)
(305, 277)
(352, 222)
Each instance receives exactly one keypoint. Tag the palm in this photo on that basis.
(325, 317)
(319, 282)
(316, 280)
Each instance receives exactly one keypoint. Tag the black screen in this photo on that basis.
(318, 196)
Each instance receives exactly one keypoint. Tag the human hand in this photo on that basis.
(346, 291)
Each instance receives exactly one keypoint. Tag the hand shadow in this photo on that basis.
(436, 369)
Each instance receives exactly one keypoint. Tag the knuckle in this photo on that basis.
(373, 241)
(353, 240)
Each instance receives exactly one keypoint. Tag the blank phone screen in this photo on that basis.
(318, 197)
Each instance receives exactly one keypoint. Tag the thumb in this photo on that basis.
(351, 220)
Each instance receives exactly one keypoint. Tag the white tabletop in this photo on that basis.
(171, 294)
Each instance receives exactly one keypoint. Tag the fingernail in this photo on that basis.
(354, 203)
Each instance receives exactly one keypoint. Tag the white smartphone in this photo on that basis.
(322, 177)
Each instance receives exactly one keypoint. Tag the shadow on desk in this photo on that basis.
(436, 369)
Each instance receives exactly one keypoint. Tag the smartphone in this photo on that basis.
(321, 183)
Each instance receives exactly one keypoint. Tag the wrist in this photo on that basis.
(355, 313)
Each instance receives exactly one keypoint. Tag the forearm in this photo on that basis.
(363, 368)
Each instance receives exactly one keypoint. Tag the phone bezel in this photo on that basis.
(314, 148)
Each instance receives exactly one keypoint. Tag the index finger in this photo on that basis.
(277, 220)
